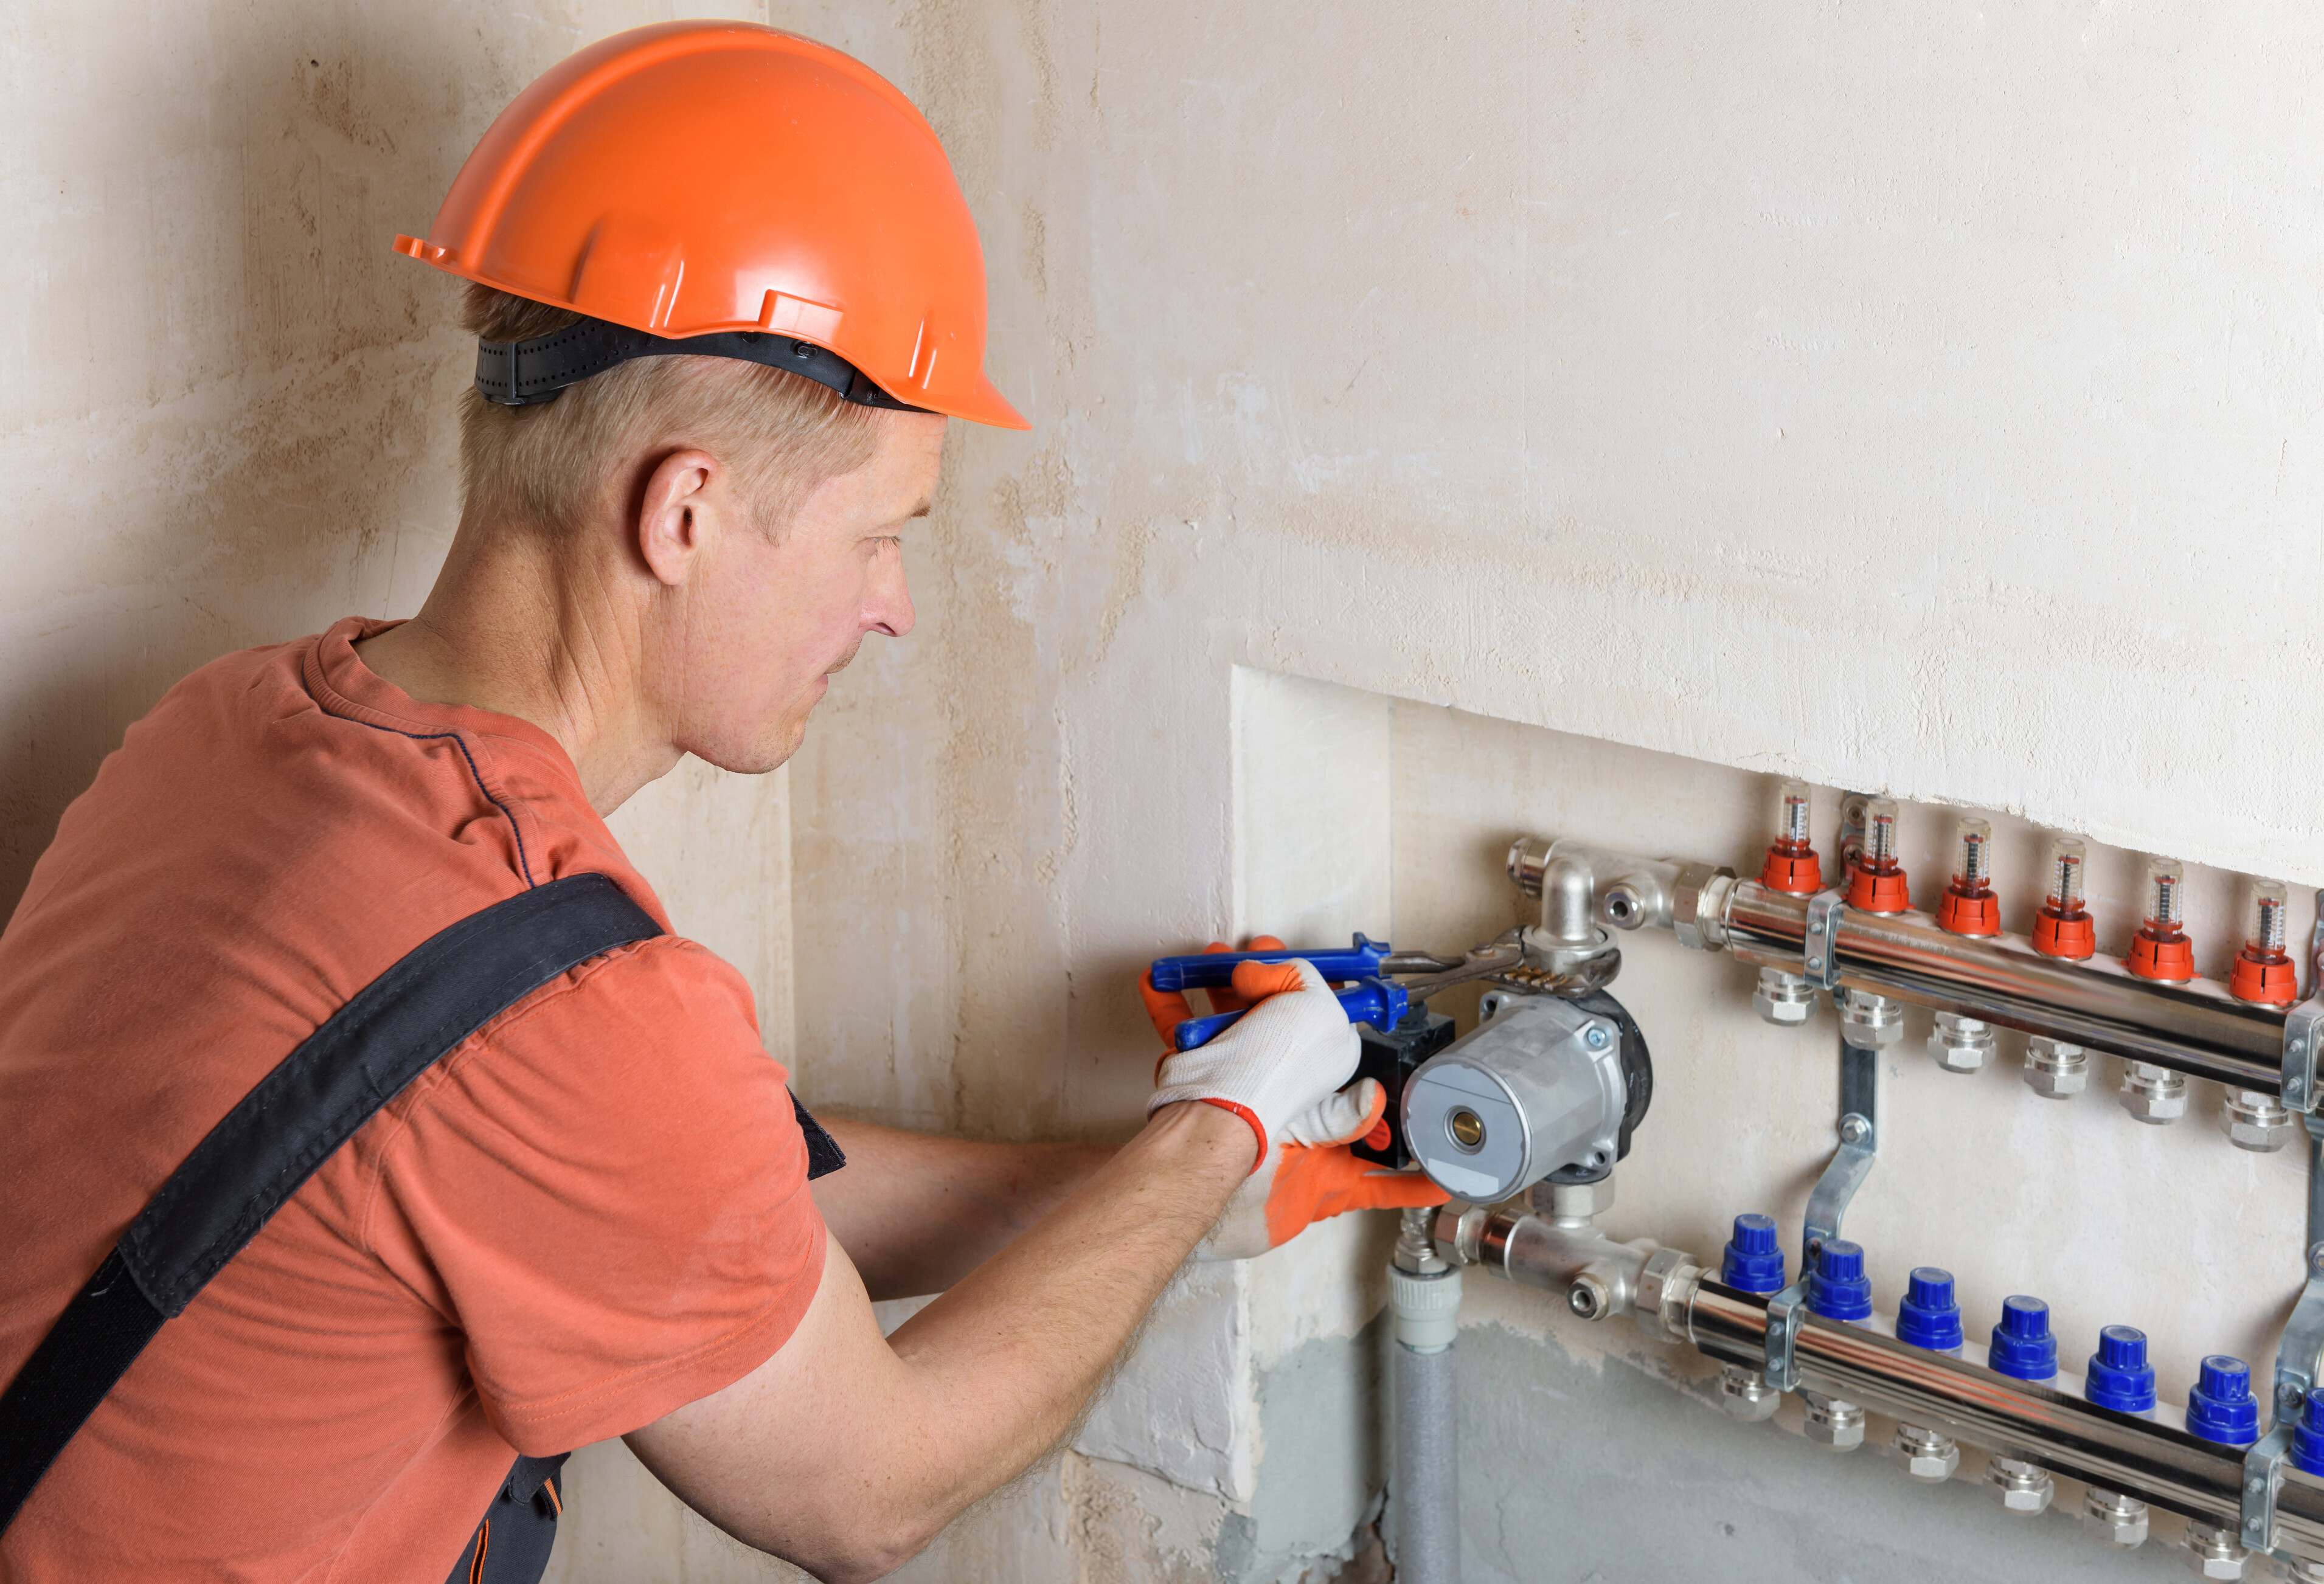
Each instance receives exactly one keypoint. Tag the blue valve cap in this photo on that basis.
(2119, 1377)
(2023, 1346)
(2306, 1452)
(1930, 1317)
(2221, 1406)
(1754, 1261)
(1837, 1287)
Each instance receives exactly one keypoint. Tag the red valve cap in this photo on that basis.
(2075, 939)
(1793, 874)
(2270, 984)
(2173, 961)
(1969, 915)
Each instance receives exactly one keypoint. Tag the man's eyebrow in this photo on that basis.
(921, 510)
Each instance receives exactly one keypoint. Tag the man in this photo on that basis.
(726, 293)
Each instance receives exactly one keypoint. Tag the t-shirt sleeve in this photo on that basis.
(605, 1193)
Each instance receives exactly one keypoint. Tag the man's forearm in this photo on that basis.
(917, 1213)
(1018, 1346)
(846, 1452)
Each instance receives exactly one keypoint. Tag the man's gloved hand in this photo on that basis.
(1284, 1080)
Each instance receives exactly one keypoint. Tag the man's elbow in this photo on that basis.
(869, 1547)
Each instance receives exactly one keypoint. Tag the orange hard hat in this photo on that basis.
(725, 189)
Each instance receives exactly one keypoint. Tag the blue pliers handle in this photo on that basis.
(1370, 999)
(1375, 1002)
(1216, 970)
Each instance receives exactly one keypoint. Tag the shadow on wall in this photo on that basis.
(227, 408)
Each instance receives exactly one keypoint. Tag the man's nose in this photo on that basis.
(889, 609)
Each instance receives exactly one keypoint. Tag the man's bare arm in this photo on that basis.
(917, 1213)
(846, 1452)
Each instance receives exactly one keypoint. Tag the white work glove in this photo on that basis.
(1307, 1173)
(1279, 1067)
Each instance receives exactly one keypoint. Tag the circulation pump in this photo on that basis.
(1548, 1087)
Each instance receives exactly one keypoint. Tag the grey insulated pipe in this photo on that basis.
(1424, 1298)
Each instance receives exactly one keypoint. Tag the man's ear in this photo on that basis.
(677, 518)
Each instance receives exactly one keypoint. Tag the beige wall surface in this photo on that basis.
(1921, 398)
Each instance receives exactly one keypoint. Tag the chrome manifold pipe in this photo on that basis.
(2150, 1458)
(2195, 1028)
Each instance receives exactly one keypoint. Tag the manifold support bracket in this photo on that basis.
(2299, 1365)
(1843, 1174)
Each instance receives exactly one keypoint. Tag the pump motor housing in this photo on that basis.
(1547, 1086)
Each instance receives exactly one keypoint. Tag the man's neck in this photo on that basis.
(512, 628)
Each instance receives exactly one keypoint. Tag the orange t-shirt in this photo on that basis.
(592, 1211)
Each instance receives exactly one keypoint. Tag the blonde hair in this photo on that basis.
(548, 467)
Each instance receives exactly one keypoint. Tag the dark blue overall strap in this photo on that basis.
(252, 1162)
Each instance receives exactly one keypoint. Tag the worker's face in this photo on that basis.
(774, 617)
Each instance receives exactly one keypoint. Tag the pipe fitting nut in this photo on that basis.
(2114, 1519)
(1925, 1455)
(1698, 906)
(2055, 1069)
(1961, 1044)
(2257, 1121)
(1783, 1000)
(1589, 1297)
(2155, 1095)
(2213, 1553)
(1831, 1422)
(1528, 856)
(1746, 1394)
(2023, 1489)
(1572, 1205)
(1870, 1022)
(1460, 1229)
(1667, 1283)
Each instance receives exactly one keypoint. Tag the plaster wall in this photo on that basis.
(1921, 401)
(1922, 398)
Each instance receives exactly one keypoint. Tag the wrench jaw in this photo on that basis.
(1502, 954)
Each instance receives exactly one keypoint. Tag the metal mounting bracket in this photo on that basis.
(1859, 1147)
(2298, 1359)
(2303, 1029)
(1850, 842)
(1785, 1312)
(1820, 950)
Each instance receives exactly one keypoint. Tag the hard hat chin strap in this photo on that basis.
(525, 373)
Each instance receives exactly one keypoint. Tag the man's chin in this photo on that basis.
(769, 753)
